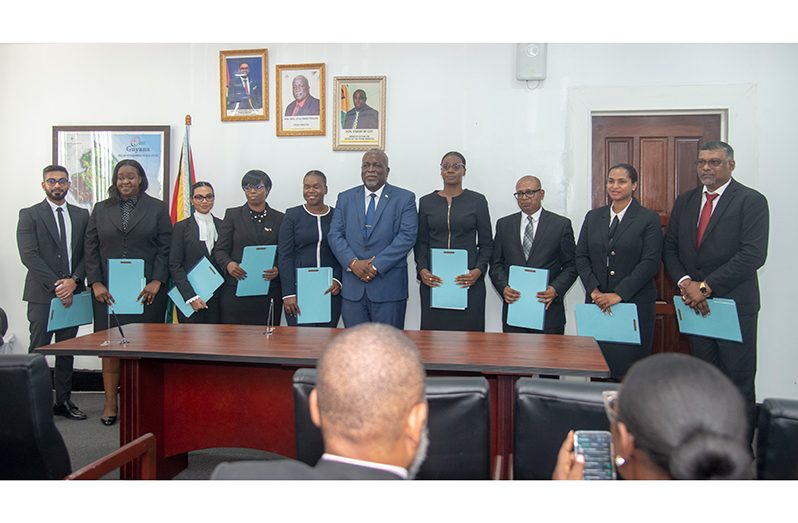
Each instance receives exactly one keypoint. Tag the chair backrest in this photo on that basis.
(777, 440)
(545, 410)
(30, 445)
(459, 426)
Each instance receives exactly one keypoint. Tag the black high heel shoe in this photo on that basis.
(108, 420)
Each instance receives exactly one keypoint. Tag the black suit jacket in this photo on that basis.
(186, 251)
(238, 231)
(734, 245)
(552, 249)
(629, 265)
(38, 243)
(148, 237)
(289, 469)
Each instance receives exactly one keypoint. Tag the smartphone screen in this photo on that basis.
(596, 447)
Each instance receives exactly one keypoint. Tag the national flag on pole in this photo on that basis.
(344, 103)
(181, 196)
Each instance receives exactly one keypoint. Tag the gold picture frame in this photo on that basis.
(244, 92)
(359, 128)
(305, 117)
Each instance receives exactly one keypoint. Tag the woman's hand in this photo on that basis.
(101, 293)
(569, 465)
(150, 290)
(270, 274)
(334, 289)
(198, 305)
(605, 300)
(467, 280)
(235, 270)
(429, 279)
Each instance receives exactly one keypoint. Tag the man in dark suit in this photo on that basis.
(716, 240)
(536, 238)
(304, 103)
(372, 230)
(370, 406)
(361, 116)
(243, 91)
(50, 241)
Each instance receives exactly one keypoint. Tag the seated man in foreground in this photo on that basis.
(370, 406)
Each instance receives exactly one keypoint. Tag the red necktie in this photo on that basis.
(703, 221)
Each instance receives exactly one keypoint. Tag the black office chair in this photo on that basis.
(459, 426)
(777, 440)
(545, 410)
(31, 446)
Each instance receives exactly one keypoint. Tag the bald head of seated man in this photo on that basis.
(370, 406)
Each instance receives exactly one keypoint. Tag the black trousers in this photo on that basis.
(735, 360)
(39, 337)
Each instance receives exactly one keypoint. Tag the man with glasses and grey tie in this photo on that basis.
(50, 241)
(536, 238)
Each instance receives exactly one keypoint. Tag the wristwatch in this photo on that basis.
(703, 288)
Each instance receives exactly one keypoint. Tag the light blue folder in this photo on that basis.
(722, 322)
(311, 284)
(125, 283)
(204, 279)
(79, 313)
(256, 259)
(527, 311)
(448, 264)
(622, 326)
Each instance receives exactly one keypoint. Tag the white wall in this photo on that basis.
(440, 97)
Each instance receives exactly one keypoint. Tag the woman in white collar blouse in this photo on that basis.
(192, 239)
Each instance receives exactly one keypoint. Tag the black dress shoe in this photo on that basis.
(68, 410)
(108, 420)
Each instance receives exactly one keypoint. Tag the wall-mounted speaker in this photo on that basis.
(530, 61)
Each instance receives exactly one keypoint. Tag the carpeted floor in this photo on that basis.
(89, 440)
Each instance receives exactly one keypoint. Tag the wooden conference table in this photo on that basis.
(207, 386)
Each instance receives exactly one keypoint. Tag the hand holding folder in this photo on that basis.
(204, 279)
(255, 260)
(448, 264)
(313, 300)
(79, 313)
(620, 326)
(125, 283)
(722, 322)
(527, 311)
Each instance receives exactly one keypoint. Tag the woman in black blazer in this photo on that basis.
(129, 224)
(303, 243)
(617, 256)
(193, 239)
(254, 223)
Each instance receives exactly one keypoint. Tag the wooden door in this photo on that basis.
(662, 149)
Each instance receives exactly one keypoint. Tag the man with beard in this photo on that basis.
(50, 241)
(243, 91)
(369, 404)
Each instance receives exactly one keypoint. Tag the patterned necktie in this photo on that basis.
(703, 220)
(370, 214)
(127, 210)
(62, 240)
(529, 236)
(357, 115)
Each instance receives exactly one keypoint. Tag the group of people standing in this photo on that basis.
(367, 236)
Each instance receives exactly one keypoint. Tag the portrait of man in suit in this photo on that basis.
(50, 241)
(372, 230)
(243, 90)
(717, 238)
(361, 116)
(304, 103)
(370, 405)
(536, 238)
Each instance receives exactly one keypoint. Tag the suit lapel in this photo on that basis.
(693, 209)
(193, 234)
(604, 225)
(723, 203)
(141, 209)
(74, 216)
(360, 209)
(46, 215)
(515, 235)
(115, 215)
(383, 203)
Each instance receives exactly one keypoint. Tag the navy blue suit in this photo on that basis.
(392, 236)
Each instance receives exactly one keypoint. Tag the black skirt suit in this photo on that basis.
(303, 243)
(626, 266)
(186, 251)
(239, 230)
(148, 237)
(466, 225)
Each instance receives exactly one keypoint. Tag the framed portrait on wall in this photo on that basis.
(91, 152)
(300, 100)
(359, 121)
(244, 85)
